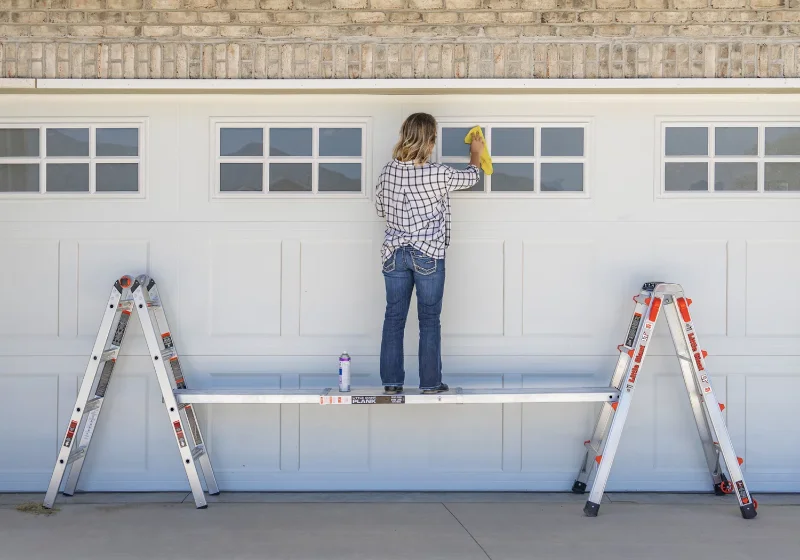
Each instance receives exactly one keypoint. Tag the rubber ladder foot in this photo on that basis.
(214, 493)
(579, 487)
(67, 495)
(591, 509)
(204, 506)
(748, 511)
(718, 490)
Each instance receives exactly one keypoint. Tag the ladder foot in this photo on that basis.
(579, 487)
(214, 493)
(204, 506)
(64, 493)
(591, 509)
(748, 511)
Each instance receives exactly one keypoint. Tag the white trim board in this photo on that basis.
(463, 85)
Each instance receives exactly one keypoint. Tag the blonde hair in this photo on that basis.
(417, 138)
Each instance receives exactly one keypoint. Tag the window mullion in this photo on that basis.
(265, 159)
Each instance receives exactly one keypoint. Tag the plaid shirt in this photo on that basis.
(415, 200)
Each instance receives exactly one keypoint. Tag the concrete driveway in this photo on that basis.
(424, 526)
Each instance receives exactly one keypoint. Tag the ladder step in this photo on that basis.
(593, 446)
(93, 404)
(110, 354)
(76, 454)
(198, 451)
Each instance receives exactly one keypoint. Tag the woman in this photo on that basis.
(413, 195)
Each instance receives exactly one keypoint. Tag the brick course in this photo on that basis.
(399, 38)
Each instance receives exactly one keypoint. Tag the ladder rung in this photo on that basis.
(93, 404)
(76, 454)
(110, 354)
(198, 451)
(594, 447)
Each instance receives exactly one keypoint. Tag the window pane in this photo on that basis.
(736, 177)
(782, 141)
(19, 177)
(477, 187)
(686, 177)
(290, 142)
(117, 177)
(453, 141)
(562, 177)
(515, 142)
(241, 142)
(340, 142)
(782, 177)
(290, 177)
(67, 177)
(736, 141)
(19, 142)
(117, 142)
(562, 142)
(236, 177)
(339, 177)
(513, 177)
(687, 141)
(68, 142)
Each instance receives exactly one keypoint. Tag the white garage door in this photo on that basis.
(255, 215)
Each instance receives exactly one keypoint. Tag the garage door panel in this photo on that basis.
(245, 288)
(28, 413)
(337, 279)
(555, 300)
(474, 297)
(771, 413)
(29, 279)
(773, 266)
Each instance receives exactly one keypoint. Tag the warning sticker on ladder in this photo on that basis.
(179, 433)
(70, 433)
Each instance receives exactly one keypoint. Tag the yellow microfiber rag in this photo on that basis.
(486, 158)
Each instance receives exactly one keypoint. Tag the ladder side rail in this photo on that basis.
(747, 505)
(171, 405)
(119, 329)
(681, 343)
(90, 378)
(169, 352)
(605, 459)
(607, 410)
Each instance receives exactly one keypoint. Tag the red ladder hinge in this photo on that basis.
(598, 458)
(721, 407)
(740, 460)
(614, 405)
(705, 354)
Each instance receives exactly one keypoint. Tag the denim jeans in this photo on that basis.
(406, 268)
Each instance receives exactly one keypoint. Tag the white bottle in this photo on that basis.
(344, 373)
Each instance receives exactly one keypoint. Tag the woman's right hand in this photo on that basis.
(476, 147)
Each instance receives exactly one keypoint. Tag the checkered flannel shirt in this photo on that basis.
(415, 200)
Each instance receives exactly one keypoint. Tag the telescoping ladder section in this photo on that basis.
(654, 299)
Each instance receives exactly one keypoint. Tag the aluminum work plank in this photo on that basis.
(457, 395)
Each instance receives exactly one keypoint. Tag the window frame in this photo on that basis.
(761, 159)
(42, 160)
(489, 123)
(266, 123)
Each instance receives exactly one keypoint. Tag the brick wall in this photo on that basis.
(399, 38)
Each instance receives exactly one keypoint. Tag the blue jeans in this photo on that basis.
(406, 268)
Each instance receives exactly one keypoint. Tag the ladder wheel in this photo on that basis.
(723, 488)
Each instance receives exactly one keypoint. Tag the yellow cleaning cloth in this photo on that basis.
(486, 158)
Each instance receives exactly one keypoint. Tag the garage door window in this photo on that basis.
(533, 159)
(71, 159)
(293, 159)
(730, 158)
